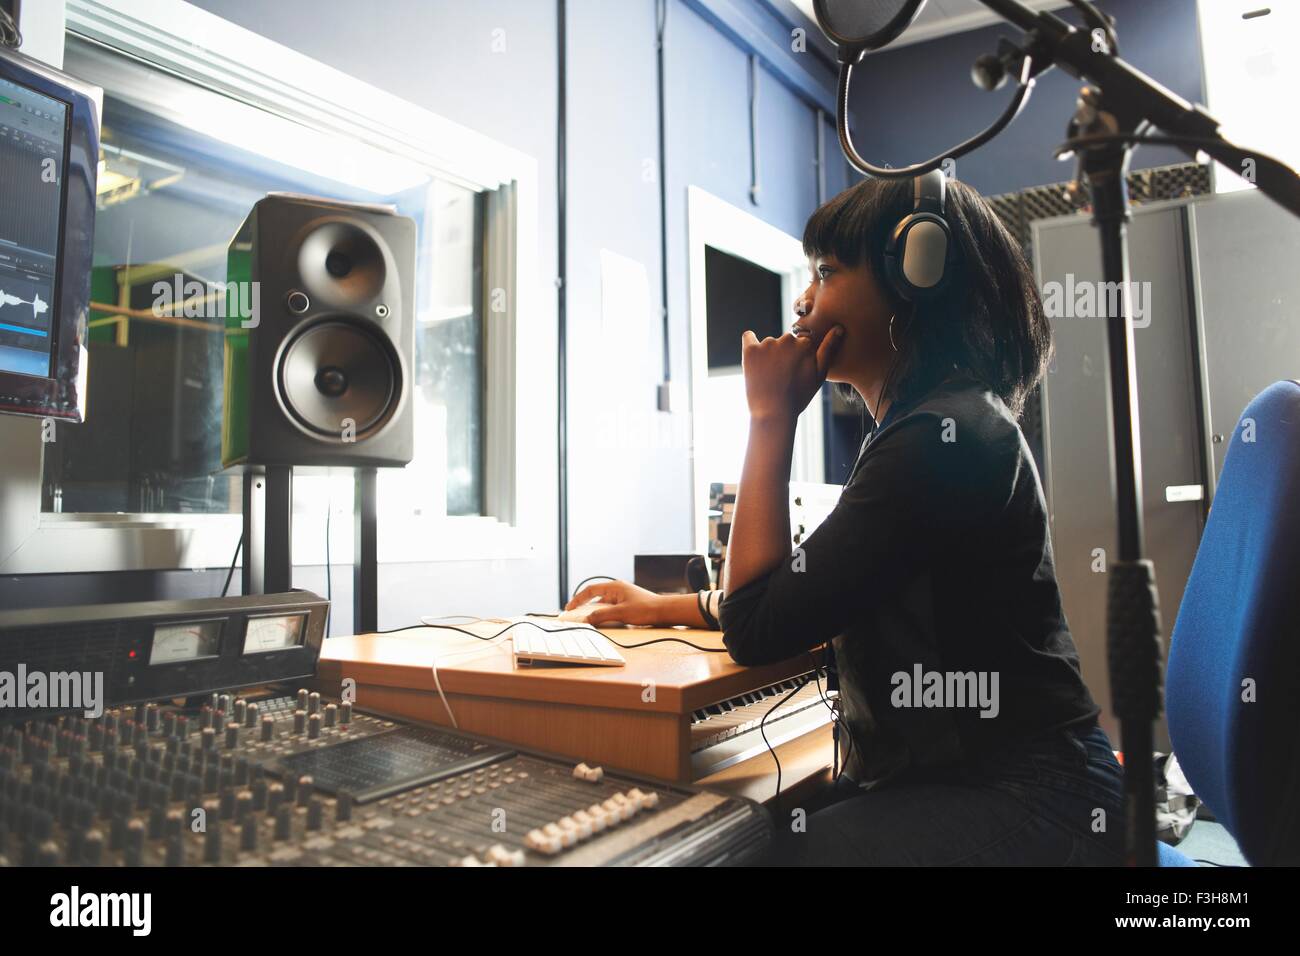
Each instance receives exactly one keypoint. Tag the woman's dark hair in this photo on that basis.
(988, 321)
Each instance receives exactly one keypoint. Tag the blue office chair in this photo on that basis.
(1233, 679)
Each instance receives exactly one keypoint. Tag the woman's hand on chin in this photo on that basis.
(783, 374)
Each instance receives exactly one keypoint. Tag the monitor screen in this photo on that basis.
(49, 159)
(33, 152)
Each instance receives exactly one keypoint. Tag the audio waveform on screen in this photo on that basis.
(39, 305)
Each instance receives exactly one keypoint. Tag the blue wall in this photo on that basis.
(913, 102)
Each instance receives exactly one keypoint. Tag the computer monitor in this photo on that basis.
(49, 155)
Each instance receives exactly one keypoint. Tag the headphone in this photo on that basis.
(920, 254)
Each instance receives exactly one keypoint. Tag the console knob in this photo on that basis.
(175, 851)
(212, 843)
(134, 854)
(284, 822)
(92, 847)
(48, 854)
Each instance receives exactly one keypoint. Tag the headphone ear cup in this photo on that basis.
(918, 257)
(924, 255)
(893, 249)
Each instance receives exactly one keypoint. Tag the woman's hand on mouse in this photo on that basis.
(620, 603)
(624, 603)
(783, 374)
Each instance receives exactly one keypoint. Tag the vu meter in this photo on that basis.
(185, 641)
(273, 633)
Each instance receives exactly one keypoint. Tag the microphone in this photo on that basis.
(858, 26)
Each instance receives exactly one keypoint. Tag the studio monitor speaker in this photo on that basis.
(320, 335)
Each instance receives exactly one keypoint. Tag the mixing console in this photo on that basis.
(297, 781)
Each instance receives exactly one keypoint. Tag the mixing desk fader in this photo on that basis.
(297, 781)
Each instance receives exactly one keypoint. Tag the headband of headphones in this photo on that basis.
(920, 251)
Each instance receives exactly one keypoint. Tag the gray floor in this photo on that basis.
(1209, 843)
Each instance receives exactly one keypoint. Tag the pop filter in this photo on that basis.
(855, 26)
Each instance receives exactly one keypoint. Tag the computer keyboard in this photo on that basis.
(583, 646)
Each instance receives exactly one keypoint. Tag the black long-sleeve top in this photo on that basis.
(933, 578)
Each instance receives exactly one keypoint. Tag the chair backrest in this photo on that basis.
(1233, 681)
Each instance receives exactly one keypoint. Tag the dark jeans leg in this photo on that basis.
(1057, 802)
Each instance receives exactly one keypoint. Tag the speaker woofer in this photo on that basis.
(335, 371)
(340, 263)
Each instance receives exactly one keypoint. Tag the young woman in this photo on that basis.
(970, 737)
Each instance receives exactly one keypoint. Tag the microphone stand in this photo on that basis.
(1114, 113)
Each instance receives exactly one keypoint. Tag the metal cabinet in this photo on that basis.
(1215, 284)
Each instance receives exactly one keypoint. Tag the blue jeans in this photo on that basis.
(1056, 801)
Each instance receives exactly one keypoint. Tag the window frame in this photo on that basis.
(176, 37)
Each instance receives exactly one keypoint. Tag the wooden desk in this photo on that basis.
(635, 717)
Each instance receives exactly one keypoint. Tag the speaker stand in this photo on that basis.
(365, 540)
(268, 530)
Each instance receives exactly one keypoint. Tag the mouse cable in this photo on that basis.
(656, 640)
(547, 630)
(664, 640)
(594, 577)
(483, 637)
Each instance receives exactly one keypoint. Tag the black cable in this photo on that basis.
(661, 17)
(233, 558)
(594, 577)
(547, 630)
(555, 630)
(561, 293)
(762, 724)
(667, 640)
(836, 717)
